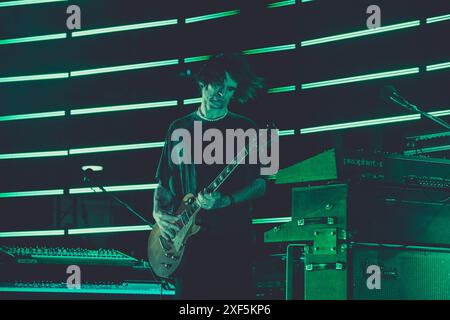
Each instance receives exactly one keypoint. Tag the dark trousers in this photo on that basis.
(216, 268)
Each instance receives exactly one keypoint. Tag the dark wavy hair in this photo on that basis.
(240, 71)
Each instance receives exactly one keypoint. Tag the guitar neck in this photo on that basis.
(215, 184)
(227, 171)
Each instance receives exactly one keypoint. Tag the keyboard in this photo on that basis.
(61, 255)
(122, 288)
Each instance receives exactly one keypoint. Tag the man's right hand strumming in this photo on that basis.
(162, 212)
(166, 223)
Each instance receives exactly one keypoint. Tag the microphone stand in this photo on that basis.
(395, 97)
(117, 199)
(87, 179)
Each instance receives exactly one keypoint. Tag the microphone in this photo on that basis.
(89, 170)
(389, 93)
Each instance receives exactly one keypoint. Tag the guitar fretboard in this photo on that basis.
(217, 182)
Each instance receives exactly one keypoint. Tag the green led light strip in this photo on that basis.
(26, 2)
(282, 89)
(36, 193)
(35, 77)
(212, 16)
(34, 38)
(441, 113)
(127, 107)
(381, 75)
(129, 27)
(123, 68)
(281, 4)
(109, 229)
(271, 220)
(41, 233)
(56, 192)
(125, 147)
(282, 133)
(361, 33)
(438, 18)
(33, 116)
(438, 66)
(270, 49)
(371, 122)
(196, 59)
(33, 155)
(117, 148)
(358, 124)
(192, 101)
(148, 228)
(136, 187)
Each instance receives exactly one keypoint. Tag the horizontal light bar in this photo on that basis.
(361, 33)
(282, 133)
(438, 18)
(136, 187)
(26, 2)
(33, 116)
(282, 89)
(35, 77)
(74, 151)
(135, 146)
(129, 27)
(270, 49)
(55, 192)
(192, 101)
(109, 229)
(371, 122)
(426, 150)
(438, 66)
(34, 38)
(360, 78)
(34, 154)
(271, 220)
(440, 113)
(127, 107)
(124, 67)
(196, 59)
(281, 4)
(212, 16)
(358, 124)
(31, 234)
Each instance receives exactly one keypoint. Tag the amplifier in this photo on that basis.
(395, 273)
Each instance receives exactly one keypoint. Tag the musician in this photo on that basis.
(217, 261)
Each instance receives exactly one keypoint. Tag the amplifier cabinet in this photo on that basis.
(390, 273)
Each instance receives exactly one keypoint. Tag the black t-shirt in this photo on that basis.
(183, 178)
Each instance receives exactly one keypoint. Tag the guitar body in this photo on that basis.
(165, 256)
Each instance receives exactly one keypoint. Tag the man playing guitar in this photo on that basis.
(217, 260)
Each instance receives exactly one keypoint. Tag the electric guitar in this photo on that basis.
(165, 256)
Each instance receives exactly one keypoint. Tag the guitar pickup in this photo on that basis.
(164, 244)
(171, 256)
